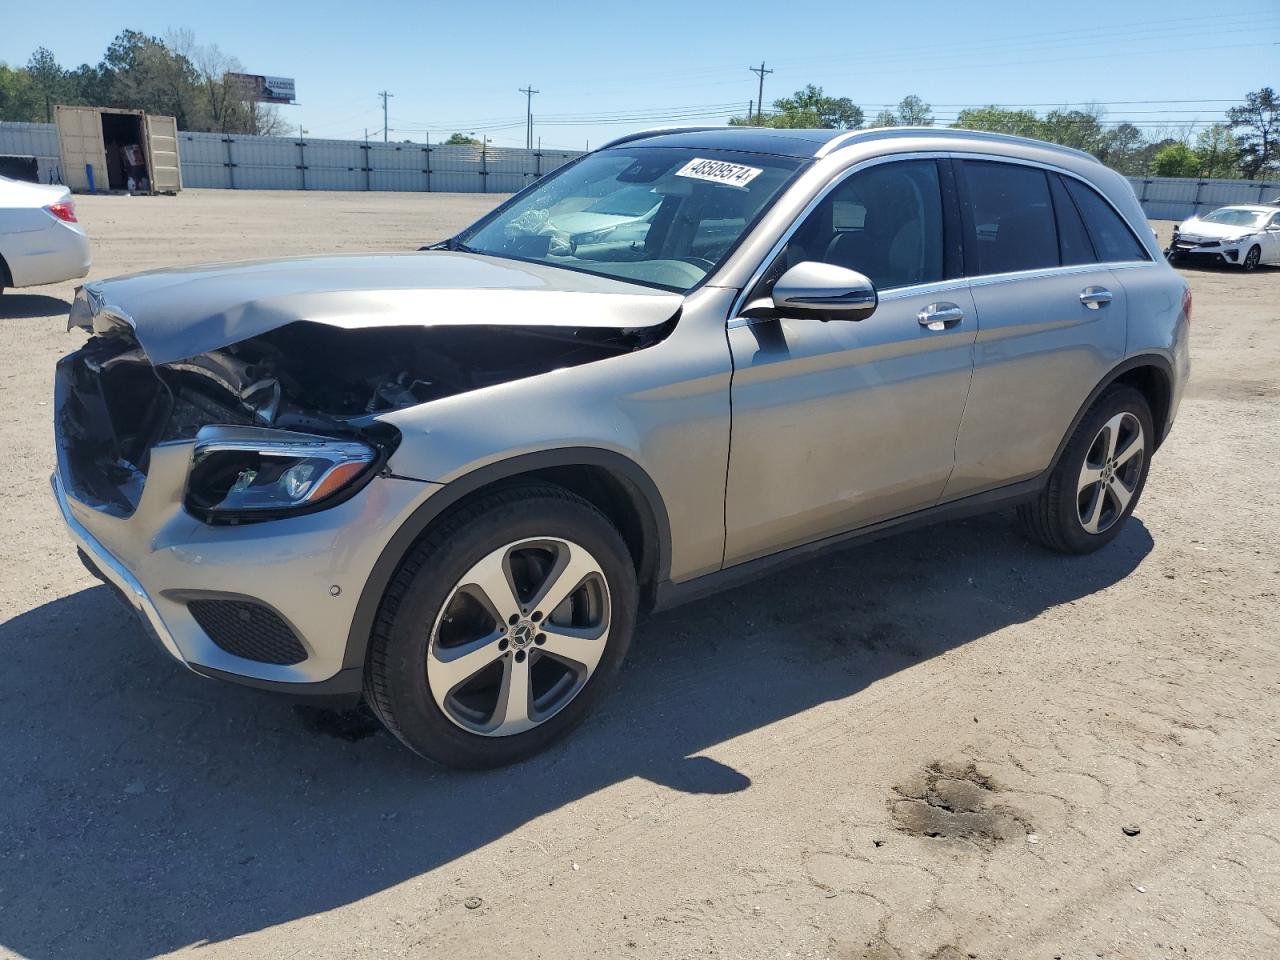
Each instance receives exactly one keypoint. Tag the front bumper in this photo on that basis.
(310, 570)
(1229, 254)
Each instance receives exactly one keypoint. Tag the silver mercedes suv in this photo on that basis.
(450, 480)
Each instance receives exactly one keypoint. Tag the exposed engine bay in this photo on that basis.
(114, 406)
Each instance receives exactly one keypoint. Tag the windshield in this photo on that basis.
(685, 211)
(1233, 217)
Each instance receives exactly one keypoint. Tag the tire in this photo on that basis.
(1071, 515)
(436, 623)
(1251, 259)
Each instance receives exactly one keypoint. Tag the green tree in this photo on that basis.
(1021, 123)
(461, 140)
(807, 108)
(914, 112)
(1257, 125)
(885, 118)
(1176, 160)
(19, 99)
(1218, 151)
(48, 80)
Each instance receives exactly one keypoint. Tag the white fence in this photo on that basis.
(233, 161)
(287, 163)
(1176, 198)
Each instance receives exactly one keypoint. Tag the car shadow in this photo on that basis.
(146, 809)
(27, 306)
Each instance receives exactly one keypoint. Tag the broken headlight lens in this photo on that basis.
(253, 473)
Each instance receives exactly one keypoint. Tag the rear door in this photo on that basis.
(1051, 320)
(839, 424)
(80, 143)
(162, 154)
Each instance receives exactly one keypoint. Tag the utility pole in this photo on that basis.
(528, 115)
(383, 94)
(761, 72)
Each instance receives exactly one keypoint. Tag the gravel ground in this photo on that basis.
(934, 746)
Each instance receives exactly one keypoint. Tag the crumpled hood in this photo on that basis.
(186, 311)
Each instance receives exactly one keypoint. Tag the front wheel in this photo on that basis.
(1251, 259)
(1099, 478)
(502, 627)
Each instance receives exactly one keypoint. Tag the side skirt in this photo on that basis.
(671, 594)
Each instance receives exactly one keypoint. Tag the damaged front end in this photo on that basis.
(287, 421)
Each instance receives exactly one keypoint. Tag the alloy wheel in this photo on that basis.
(1110, 474)
(519, 636)
(1252, 258)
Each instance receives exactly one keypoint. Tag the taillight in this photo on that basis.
(64, 210)
(1186, 303)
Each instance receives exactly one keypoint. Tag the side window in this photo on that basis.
(885, 222)
(1112, 238)
(1073, 240)
(1012, 217)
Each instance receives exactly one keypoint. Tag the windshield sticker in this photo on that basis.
(717, 171)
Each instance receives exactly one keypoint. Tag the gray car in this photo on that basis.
(451, 480)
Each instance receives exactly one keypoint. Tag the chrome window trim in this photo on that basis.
(998, 158)
(977, 279)
(740, 301)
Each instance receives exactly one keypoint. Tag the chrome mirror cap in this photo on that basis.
(824, 291)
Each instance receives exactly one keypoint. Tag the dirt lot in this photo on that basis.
(924, 748)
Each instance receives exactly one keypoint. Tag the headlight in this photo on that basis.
(250, 473)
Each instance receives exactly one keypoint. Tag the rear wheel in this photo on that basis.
(502, 627)
(1251, 259)
(1099, 478)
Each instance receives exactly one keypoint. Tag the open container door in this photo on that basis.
(162, 154)
(80, 143)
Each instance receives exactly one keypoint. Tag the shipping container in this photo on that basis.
(108, 149)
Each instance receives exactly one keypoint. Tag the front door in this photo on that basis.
(836, 425)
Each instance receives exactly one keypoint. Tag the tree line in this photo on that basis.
(173, 76)
(1246, 143)
(177, 77)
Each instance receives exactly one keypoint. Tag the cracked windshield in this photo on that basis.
(661, 216)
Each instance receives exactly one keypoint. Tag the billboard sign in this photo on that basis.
(264, 89)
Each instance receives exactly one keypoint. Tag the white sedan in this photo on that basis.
(1245, 235)
(40, 239)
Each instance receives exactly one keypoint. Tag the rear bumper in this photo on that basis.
(58, 252)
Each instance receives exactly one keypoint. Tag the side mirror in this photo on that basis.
(822, 291)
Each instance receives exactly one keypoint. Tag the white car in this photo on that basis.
(40, 239)
(1245, 235)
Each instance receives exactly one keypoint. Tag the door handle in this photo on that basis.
(1095, 298)
(940, 316)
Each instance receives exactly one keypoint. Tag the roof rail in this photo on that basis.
(958, 133)
(656, 132)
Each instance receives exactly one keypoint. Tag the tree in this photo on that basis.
(1218, 151)
(1021, 123)
(914, 112)
(1176, 160)
(885, 118)
(808, 108)
(1257, 125)
(48, 81)
(461, 140)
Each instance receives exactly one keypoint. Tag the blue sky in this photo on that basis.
(457, 66)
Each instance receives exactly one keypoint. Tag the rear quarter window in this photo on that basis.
(1112, 238)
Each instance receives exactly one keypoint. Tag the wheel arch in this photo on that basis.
(1149, 373)
(615, 484)
(6, 276)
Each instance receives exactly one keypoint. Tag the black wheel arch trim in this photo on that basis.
(621, 466)
(1115, 373)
